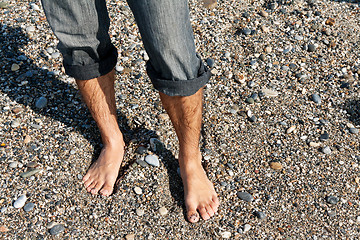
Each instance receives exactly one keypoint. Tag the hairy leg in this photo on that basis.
(185, 114)
(99, 96)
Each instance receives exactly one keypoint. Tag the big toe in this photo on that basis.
(106, 190)
(192, 215)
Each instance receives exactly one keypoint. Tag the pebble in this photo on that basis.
(15, 123)
(358, 219)
(225, 235)
(153, 160)
(249, 100)
(130, 236)
(354, 130)
(163, 211)
(247, 227)
(252, 118)
(316, 98)
(245, 196)
(210, 62)
(246, 31)
(34, 7)
(15, 67)
(264, 13)
(314, 144)
(55, 55)
(57, 229)
(30, 29)
(32, 164)
(156, 145)
(142, 163)
(137, 190)
(269, 92)
(332, 200)
(20, 202)
(30, 173)
(27, 139)
(140, 212)
(41, 102)
(276, 165)
(290, 129)
(13, 164)
(311, 48)
(326, 150)
(119, 68)
(28, 207)
(260, 215)
(4, 5)
(331, 213)
(324, 136)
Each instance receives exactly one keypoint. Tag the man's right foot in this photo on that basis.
(103, 173)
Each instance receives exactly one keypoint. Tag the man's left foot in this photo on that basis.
(200, 195)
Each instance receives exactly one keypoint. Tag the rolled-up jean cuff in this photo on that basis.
(179, 87)
(97, 69)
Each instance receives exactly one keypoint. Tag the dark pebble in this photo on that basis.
(142, 163)
(245, 196)
(252, 119)
(332, 200)
(324, 136)
(28, 207)
(311, 48)
(246, 31)
(250, 100)
(316, 98)
(57, 229)
(260, 215)
(210, 62)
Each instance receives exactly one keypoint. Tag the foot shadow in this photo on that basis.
(26, 85)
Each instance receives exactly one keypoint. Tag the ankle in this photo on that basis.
(114, 143)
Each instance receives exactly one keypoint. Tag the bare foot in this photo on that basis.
(200, 195)
(103, 173)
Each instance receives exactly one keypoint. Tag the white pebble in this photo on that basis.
(20, 202)
(247, 227)
(163, 211)
(225, 234)
(137, 190)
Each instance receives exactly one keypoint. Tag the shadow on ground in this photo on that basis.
(352, 107)
(30, 82)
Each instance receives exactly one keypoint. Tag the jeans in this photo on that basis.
(82, 29)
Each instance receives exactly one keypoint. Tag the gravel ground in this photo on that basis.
(280, 136)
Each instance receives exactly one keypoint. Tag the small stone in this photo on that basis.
(331, 213)
(354, 130)
(316, 98)
(225, 235)
(260, 215)
(4, 5)
(57, 229)
(17, 110)
(163, 211)
(311, 48)
(275, 165)
(250, 100)
(264, 13)
(20, 202)
(30, 29)
(358, 219)
(141, 150)
(245, 196)
(265, 29)
(326, 150)
(13, 164)
(324, 136)
(32, 164)
(130, 236)
(15, 123)
(246, 31)
(27, 139)
(41, 102)
(28, 207)
(3, 228)
(34, 7)
(55, 55)
(140, 212)
(119, 68)
(153, 160)
(15, 67)
(164, 116)
(252, 118)
(210, 62)
(30, 173)
(269, 93)
(332, 200)
(330, 22)
(314, 144)
(247, 227)
(290, 129)
(137, 190)
(142, 163)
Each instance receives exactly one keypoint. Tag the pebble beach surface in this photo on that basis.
(280, 136)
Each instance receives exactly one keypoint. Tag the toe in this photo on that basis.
(91, 186)
(106, 190)
(210, 211)
(204, 213)
(215, 201)
(86, 177)
(96, 189)
(192, 215)
(88, 182)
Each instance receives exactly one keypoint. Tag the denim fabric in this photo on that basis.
(82, 29)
